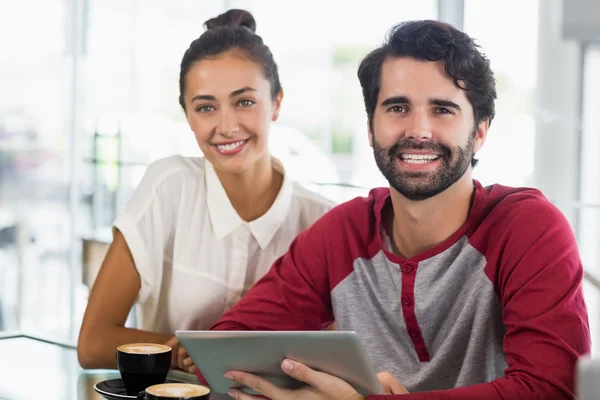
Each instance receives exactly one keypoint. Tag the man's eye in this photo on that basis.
(397, 109)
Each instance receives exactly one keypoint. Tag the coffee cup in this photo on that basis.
(175, 391)
(142, 365)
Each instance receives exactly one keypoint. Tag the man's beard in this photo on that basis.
(417, 185)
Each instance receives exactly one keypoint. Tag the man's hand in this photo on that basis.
(319, 385)
(180, 358)
(390, 384)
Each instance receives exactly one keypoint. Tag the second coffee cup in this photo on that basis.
(175, 391)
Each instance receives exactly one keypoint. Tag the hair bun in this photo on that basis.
(232, 19)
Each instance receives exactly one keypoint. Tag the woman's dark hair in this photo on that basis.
(433, 41)
(230, 31)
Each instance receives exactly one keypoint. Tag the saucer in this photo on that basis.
(114, 389)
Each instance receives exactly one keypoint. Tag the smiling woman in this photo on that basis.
(229, 107)
(230, 91)
(199, 232)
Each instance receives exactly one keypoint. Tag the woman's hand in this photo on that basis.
(180, 358)
(319, 385)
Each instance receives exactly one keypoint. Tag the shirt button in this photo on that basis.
(407, 301)
(413, 333)
(407, 269)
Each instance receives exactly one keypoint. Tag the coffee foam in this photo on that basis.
(144, 348)
(177, 390)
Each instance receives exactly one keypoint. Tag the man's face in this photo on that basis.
(424, 135)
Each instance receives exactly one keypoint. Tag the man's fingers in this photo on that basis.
(256, 383)
(390, 384)
(300, 372)
(252, 381)
(383, 379)
(239, 395)
(326, 384)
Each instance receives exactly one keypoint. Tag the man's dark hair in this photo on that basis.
(433, 41)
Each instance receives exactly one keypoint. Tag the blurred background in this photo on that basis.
(88, 97)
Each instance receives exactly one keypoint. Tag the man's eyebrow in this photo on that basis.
(395, 100)
(444, 103)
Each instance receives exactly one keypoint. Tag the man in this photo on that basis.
(458, 291)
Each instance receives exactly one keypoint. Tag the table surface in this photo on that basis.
(32, 368)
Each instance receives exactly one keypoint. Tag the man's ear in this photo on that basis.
(481, 135)
(369, 132)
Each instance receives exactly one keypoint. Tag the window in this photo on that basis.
(318, 59)
(34, 187)
(321, 133)
(513, 56)
(589, 207)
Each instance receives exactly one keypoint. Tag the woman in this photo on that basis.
(199, 232)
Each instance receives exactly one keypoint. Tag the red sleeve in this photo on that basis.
(537, 271)
(483, 391)
(294, 294)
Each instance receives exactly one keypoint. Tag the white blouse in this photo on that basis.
(196, 257)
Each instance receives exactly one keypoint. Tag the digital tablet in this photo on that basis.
(339, 353)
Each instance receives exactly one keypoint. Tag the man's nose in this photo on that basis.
(420, 126)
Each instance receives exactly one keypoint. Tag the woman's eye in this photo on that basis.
(245, 103)
(205, 109)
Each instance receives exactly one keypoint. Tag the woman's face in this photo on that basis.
(230, 108)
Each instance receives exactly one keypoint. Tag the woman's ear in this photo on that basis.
(277, 105)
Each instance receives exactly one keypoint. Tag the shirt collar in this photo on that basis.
(224, 218)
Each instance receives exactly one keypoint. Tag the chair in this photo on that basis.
(587, 379)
